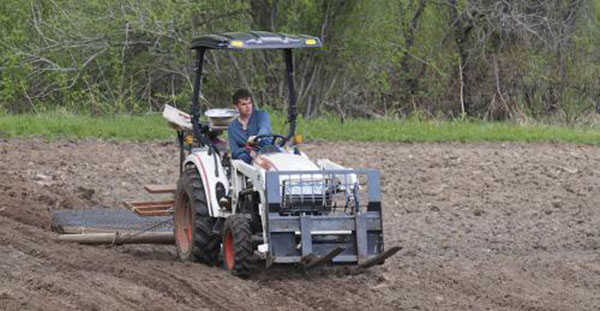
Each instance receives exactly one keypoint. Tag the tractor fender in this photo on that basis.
(213, 177)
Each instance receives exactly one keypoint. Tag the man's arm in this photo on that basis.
(264, 126)
(263, 122)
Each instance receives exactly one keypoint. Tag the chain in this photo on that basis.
(125, 237)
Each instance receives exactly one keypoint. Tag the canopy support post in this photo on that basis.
(289, 62)
(197, 93)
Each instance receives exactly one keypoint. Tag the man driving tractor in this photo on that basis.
(243, 130)
(282, 199)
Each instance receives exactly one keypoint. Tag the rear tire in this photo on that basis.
(194, 239)
(238, 249)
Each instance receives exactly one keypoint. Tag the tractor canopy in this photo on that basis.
(254, 40)
(251, 40)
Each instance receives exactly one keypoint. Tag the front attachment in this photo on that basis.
(315, 217)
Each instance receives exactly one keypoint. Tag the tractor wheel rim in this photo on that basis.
(190, 224)
(229, 251)
(184, 226)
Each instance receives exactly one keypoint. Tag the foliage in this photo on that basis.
(491, 60)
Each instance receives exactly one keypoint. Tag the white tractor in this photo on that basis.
(284, 208)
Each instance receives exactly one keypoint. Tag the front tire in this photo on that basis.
(194, 239)
(238, 249)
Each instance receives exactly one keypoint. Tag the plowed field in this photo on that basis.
(482, 226)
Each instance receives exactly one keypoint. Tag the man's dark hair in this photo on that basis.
(240, 94)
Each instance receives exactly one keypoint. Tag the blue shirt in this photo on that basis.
(258, 124)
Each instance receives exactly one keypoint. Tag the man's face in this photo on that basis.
(244, 107)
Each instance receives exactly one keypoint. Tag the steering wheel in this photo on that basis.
(275, 137)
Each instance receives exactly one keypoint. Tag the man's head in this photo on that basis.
(242, 100)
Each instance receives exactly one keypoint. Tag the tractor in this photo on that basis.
(285, 209)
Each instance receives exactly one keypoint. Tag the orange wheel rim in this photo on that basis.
(229, 252)
(184, 225)
(190, 224)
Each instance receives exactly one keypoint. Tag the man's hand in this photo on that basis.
(252, 140)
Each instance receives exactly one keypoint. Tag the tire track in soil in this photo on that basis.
(186, 285)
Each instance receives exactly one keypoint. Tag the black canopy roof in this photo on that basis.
(254, 40)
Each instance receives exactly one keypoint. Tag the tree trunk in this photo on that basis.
(461, 26)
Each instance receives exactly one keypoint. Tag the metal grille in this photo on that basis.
(321, 192)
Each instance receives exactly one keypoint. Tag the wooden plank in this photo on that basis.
(153, 213)
(171, 188)
(152, 208)
(150, 204)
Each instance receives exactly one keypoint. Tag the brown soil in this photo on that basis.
(483, 227)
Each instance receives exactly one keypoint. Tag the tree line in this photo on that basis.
(489, 59)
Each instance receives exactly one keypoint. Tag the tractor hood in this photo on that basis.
(290, 162)
(293, 183)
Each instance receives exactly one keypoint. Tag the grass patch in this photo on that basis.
(152, 127)
(446, 131)
(65, 125)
